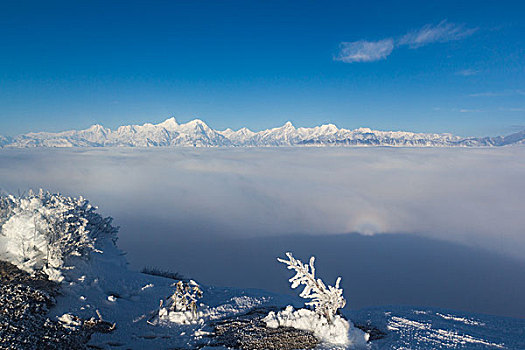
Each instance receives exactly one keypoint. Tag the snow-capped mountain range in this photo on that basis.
(196, 133)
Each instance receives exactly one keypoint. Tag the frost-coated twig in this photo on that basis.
(325, 300)
(99, 315)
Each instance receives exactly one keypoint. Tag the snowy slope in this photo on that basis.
(432, 328)
(95, 282)
(197, 134)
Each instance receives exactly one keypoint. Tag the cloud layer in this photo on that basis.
(473, 196)
(368, 51)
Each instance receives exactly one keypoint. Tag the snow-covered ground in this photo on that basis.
(433, 328)
(97, 283)
(137, 298)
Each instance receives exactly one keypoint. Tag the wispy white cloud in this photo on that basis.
(468, 110)
(512, 109)
(491, 110)
(498, 93)
(364, 51)
(467, 72)
(368, 51)
(442, 32)
(486, 94)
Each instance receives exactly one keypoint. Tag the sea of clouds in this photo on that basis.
(179, 206)
(473, 196)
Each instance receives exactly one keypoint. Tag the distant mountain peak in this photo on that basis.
(196, 133)
(363, 130)
(245, 131)
(196, 122)
(170, 123)
(96, 128)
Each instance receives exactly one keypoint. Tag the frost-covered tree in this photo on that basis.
(325, 300)
(39, 232)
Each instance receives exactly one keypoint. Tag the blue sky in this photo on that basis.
(437, 66)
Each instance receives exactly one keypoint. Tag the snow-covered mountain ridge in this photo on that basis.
(197, 134)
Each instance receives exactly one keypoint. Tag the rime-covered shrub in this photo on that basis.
(324, 300)
(185, 297)
(181, 306)
(323, 321)
(39, 232)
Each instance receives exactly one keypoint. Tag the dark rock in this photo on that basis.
(10, 274)
(24, 325)
(249, 332)
(24, 303)
(374, 332)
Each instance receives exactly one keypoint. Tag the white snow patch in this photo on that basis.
(443, 337)
(178, 317)
(460, 319)
(149, 285)
(339, 332)
(70, 321)
(234, 306)
(201, 333)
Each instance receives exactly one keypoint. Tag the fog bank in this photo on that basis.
(471, 196)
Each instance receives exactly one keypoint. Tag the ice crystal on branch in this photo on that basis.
(40, 232)
(323, 321)
(325, 300)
